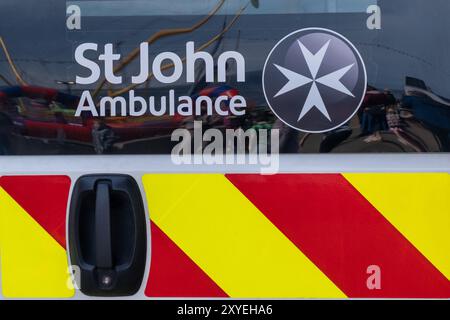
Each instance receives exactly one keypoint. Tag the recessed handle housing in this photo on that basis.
(107, 235)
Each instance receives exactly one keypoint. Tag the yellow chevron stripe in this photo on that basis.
(227, 237)
(33, 264)
(418, 205)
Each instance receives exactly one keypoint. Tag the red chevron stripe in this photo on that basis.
(174, 274)
(343, 234)
(44, 198)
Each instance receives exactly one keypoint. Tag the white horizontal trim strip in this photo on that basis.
(139, 164)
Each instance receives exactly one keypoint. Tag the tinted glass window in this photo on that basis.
(404, 46)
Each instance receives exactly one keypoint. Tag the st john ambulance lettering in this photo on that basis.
(171, 104)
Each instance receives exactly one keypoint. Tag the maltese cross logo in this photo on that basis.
(314, 80)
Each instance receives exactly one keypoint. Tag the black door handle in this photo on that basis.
(103, 226)
(107, 235)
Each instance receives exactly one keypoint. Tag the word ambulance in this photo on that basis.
(138, 105)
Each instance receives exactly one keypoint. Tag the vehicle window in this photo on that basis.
(225, 65)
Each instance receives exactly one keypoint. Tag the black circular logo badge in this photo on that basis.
(314, 80)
